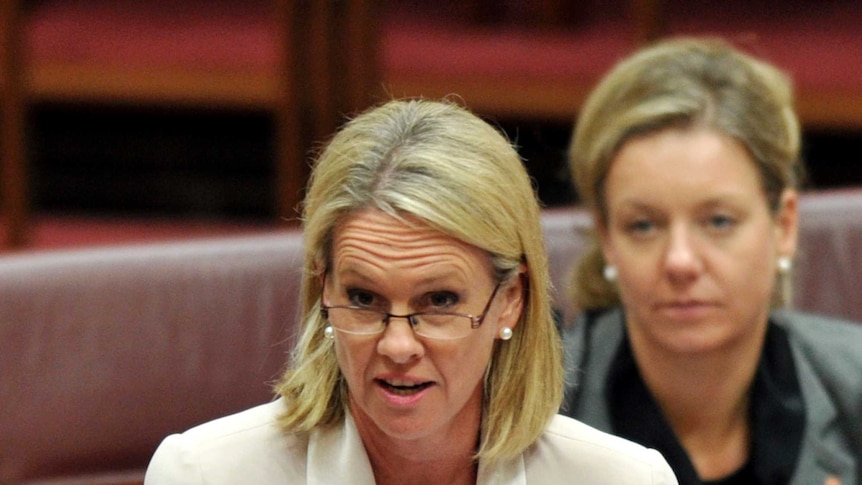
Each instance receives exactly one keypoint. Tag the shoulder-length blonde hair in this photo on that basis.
(440, 163)
(681, 83)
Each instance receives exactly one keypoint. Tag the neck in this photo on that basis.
(443, 457)
(447, 471)
(419, 463)
(705, 399)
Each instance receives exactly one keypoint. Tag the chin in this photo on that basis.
(404, 429)
(699, 341)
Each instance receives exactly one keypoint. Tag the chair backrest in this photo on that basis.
(828, 273)
(104, 352)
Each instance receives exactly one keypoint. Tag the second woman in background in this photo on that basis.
(688, 156)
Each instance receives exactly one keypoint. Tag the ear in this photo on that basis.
(513, 298)
(787, 223)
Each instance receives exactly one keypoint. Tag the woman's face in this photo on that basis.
(403, 386)
(694, 241)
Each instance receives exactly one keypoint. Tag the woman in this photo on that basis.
(427, 352)
(687, 154)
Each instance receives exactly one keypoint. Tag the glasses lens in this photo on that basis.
(359, 321)
(446, 326)
(356, 320)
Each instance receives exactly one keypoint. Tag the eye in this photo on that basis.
(441, 300)
(361, 298)
(721, 222)
(640, 227)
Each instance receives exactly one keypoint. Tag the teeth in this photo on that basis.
(402, 387)
(405, 390)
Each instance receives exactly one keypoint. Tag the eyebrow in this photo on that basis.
(727, 197)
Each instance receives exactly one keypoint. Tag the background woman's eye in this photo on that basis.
(639, 226)
(442, 300)
(360, 298)
(721, 221)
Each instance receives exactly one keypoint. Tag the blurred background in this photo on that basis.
(133, 120)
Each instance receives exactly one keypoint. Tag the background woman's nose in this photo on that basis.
(681, 257)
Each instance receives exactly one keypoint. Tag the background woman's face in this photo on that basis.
(693, 238)
(403, 386)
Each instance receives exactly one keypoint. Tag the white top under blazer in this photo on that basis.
(249, 447)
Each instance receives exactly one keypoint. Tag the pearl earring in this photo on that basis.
(784, 264)
(329, 332)
(505, 333)
(610, 273)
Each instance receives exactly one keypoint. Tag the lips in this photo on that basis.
(688, 309)
(684, 304)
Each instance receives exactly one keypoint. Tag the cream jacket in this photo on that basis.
(249, 447)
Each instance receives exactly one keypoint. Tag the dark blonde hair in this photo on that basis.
(440, 163)
(681, 83)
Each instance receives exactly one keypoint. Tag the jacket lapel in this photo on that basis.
(824, 452)
(512, 472)
(336, 455)
(585, 390)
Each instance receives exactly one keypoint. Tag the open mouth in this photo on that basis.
(404, 389)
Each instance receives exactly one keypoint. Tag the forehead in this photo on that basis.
(374, 241)
(696, 162)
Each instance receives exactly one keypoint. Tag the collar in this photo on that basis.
(336, 455)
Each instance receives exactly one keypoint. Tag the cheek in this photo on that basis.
(753, 269)
(352, 360)
(638, 270)
(463, 365)
(752, 256)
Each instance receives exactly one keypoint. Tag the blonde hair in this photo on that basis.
(440, 163)
(680, 83)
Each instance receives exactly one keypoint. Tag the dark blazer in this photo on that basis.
(828, 359)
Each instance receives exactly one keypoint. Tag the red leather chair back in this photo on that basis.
(106, 351)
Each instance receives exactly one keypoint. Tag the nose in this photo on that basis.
(398, 341)
(682, 261)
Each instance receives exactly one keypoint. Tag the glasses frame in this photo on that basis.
(475, 320)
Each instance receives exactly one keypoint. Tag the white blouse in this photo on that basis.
(249, 447)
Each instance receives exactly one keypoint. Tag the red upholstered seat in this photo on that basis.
(80, 50)
(217, 34)
(105, 351)
(524, 70)
(819, 43)
(504, 70)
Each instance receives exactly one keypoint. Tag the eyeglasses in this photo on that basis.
(356, 320)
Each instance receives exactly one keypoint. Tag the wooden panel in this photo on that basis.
(14, 182)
